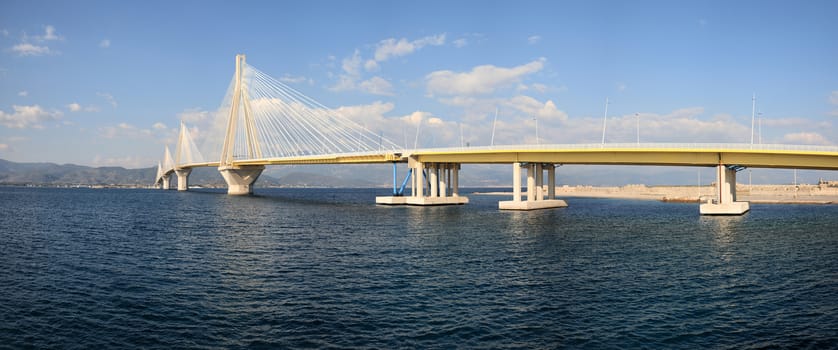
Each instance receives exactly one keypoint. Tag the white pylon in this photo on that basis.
(240, 97)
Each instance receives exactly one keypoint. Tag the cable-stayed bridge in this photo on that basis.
(266, 122)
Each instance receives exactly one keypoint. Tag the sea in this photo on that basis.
(327, 268)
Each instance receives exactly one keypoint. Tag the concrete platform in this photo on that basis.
(391, 200)
(406, 200)
(735, 208)
(532, 205)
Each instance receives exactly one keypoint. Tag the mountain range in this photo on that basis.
(381, 175)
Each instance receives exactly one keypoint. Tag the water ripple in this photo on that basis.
(326, 269)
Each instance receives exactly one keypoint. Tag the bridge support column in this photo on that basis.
(455, 180)
(183, 178)
(433, 176)
(240, 179)
(443, 185)
(539, 182)
(551, 181)
(535, 189)
(167, 182)
(725, 203)
(444, 176)
(530, 182)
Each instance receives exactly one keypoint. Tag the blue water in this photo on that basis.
(311, 268)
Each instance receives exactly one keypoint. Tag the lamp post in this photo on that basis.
(759, 125)
(604, 120)
(637, 115)
(753, 107)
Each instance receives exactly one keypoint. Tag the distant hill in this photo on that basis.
(51, 174)
(12, 173)
(381, 175)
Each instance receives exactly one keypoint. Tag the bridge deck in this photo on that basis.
(754, 156)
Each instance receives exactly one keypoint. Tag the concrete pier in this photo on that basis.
(440, 187)
(167, 182)
(725, 203)
(183, 178)
(535, 188)
(240, 179)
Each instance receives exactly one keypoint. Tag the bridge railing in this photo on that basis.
(635, 146)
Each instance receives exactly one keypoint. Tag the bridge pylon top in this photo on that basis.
(268, 119)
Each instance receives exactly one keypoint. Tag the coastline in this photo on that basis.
(761, 194)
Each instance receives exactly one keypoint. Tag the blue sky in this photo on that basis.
(106, 83)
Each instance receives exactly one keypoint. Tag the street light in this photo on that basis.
(537, 142)
(604, 120)
(637, 115)
(753, 107)
(759, 124)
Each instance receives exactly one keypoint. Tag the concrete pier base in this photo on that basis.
(183, 179)
(535, 189)
(431, 184)
(240, 179)
(532, 205)
(725, 203)
(735, 208)
(391, 200)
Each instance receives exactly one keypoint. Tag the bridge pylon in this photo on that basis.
(240, 179)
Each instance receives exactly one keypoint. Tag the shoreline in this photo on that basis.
(758, 194)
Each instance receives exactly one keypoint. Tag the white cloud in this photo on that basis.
(371, 66)
(462, 42)
(108, 97)
(49, 34)
(75, 107)
(193, 115)
(27, 49)
(345, 83)
(680, 125)
(534, 39)
(806, 138)
(23, 93)
(481, 80)
(351, 77)
(352, 64)
(105, 43)
(159, 126)
(515, 124)
(125, 131)
(28, 116)
(532, 107)
(537, 87)
(371, 114)
(377, 86)
(401, 130)
(351, 73)
(290, 79)
(389, 48)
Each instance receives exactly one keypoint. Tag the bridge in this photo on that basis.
(266, 122)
